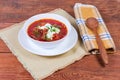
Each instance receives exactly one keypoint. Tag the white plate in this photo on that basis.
(66, 45)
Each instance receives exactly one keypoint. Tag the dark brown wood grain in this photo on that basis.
(88, 68)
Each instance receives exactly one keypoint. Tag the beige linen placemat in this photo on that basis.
(38, 66)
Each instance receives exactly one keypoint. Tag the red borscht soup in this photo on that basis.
(47, 30)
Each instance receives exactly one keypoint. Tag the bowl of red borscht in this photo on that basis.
(47, 30)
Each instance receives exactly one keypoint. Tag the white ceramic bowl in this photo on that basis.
(50, 44)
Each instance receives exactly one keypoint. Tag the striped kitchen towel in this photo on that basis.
(84, 11)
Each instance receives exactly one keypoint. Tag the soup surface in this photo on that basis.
(47, 30)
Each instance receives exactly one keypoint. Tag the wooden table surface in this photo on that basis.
(88, 68)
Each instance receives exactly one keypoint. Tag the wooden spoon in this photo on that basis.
(92, 24)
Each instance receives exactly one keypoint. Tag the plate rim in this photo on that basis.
(54, 54)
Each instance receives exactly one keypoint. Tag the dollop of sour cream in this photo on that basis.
(51, 30)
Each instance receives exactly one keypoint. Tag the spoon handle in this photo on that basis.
(101, 47)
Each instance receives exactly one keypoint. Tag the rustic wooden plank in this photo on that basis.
(4, 25)
(22, 9)
(89, 69)
(11, 69)
(3, 47)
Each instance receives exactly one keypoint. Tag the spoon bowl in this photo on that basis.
(92, 23)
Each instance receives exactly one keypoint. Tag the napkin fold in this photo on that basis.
(84, 11)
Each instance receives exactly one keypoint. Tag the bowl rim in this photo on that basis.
(33, 18)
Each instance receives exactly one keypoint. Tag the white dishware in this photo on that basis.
(65, 45)
(46, 44)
